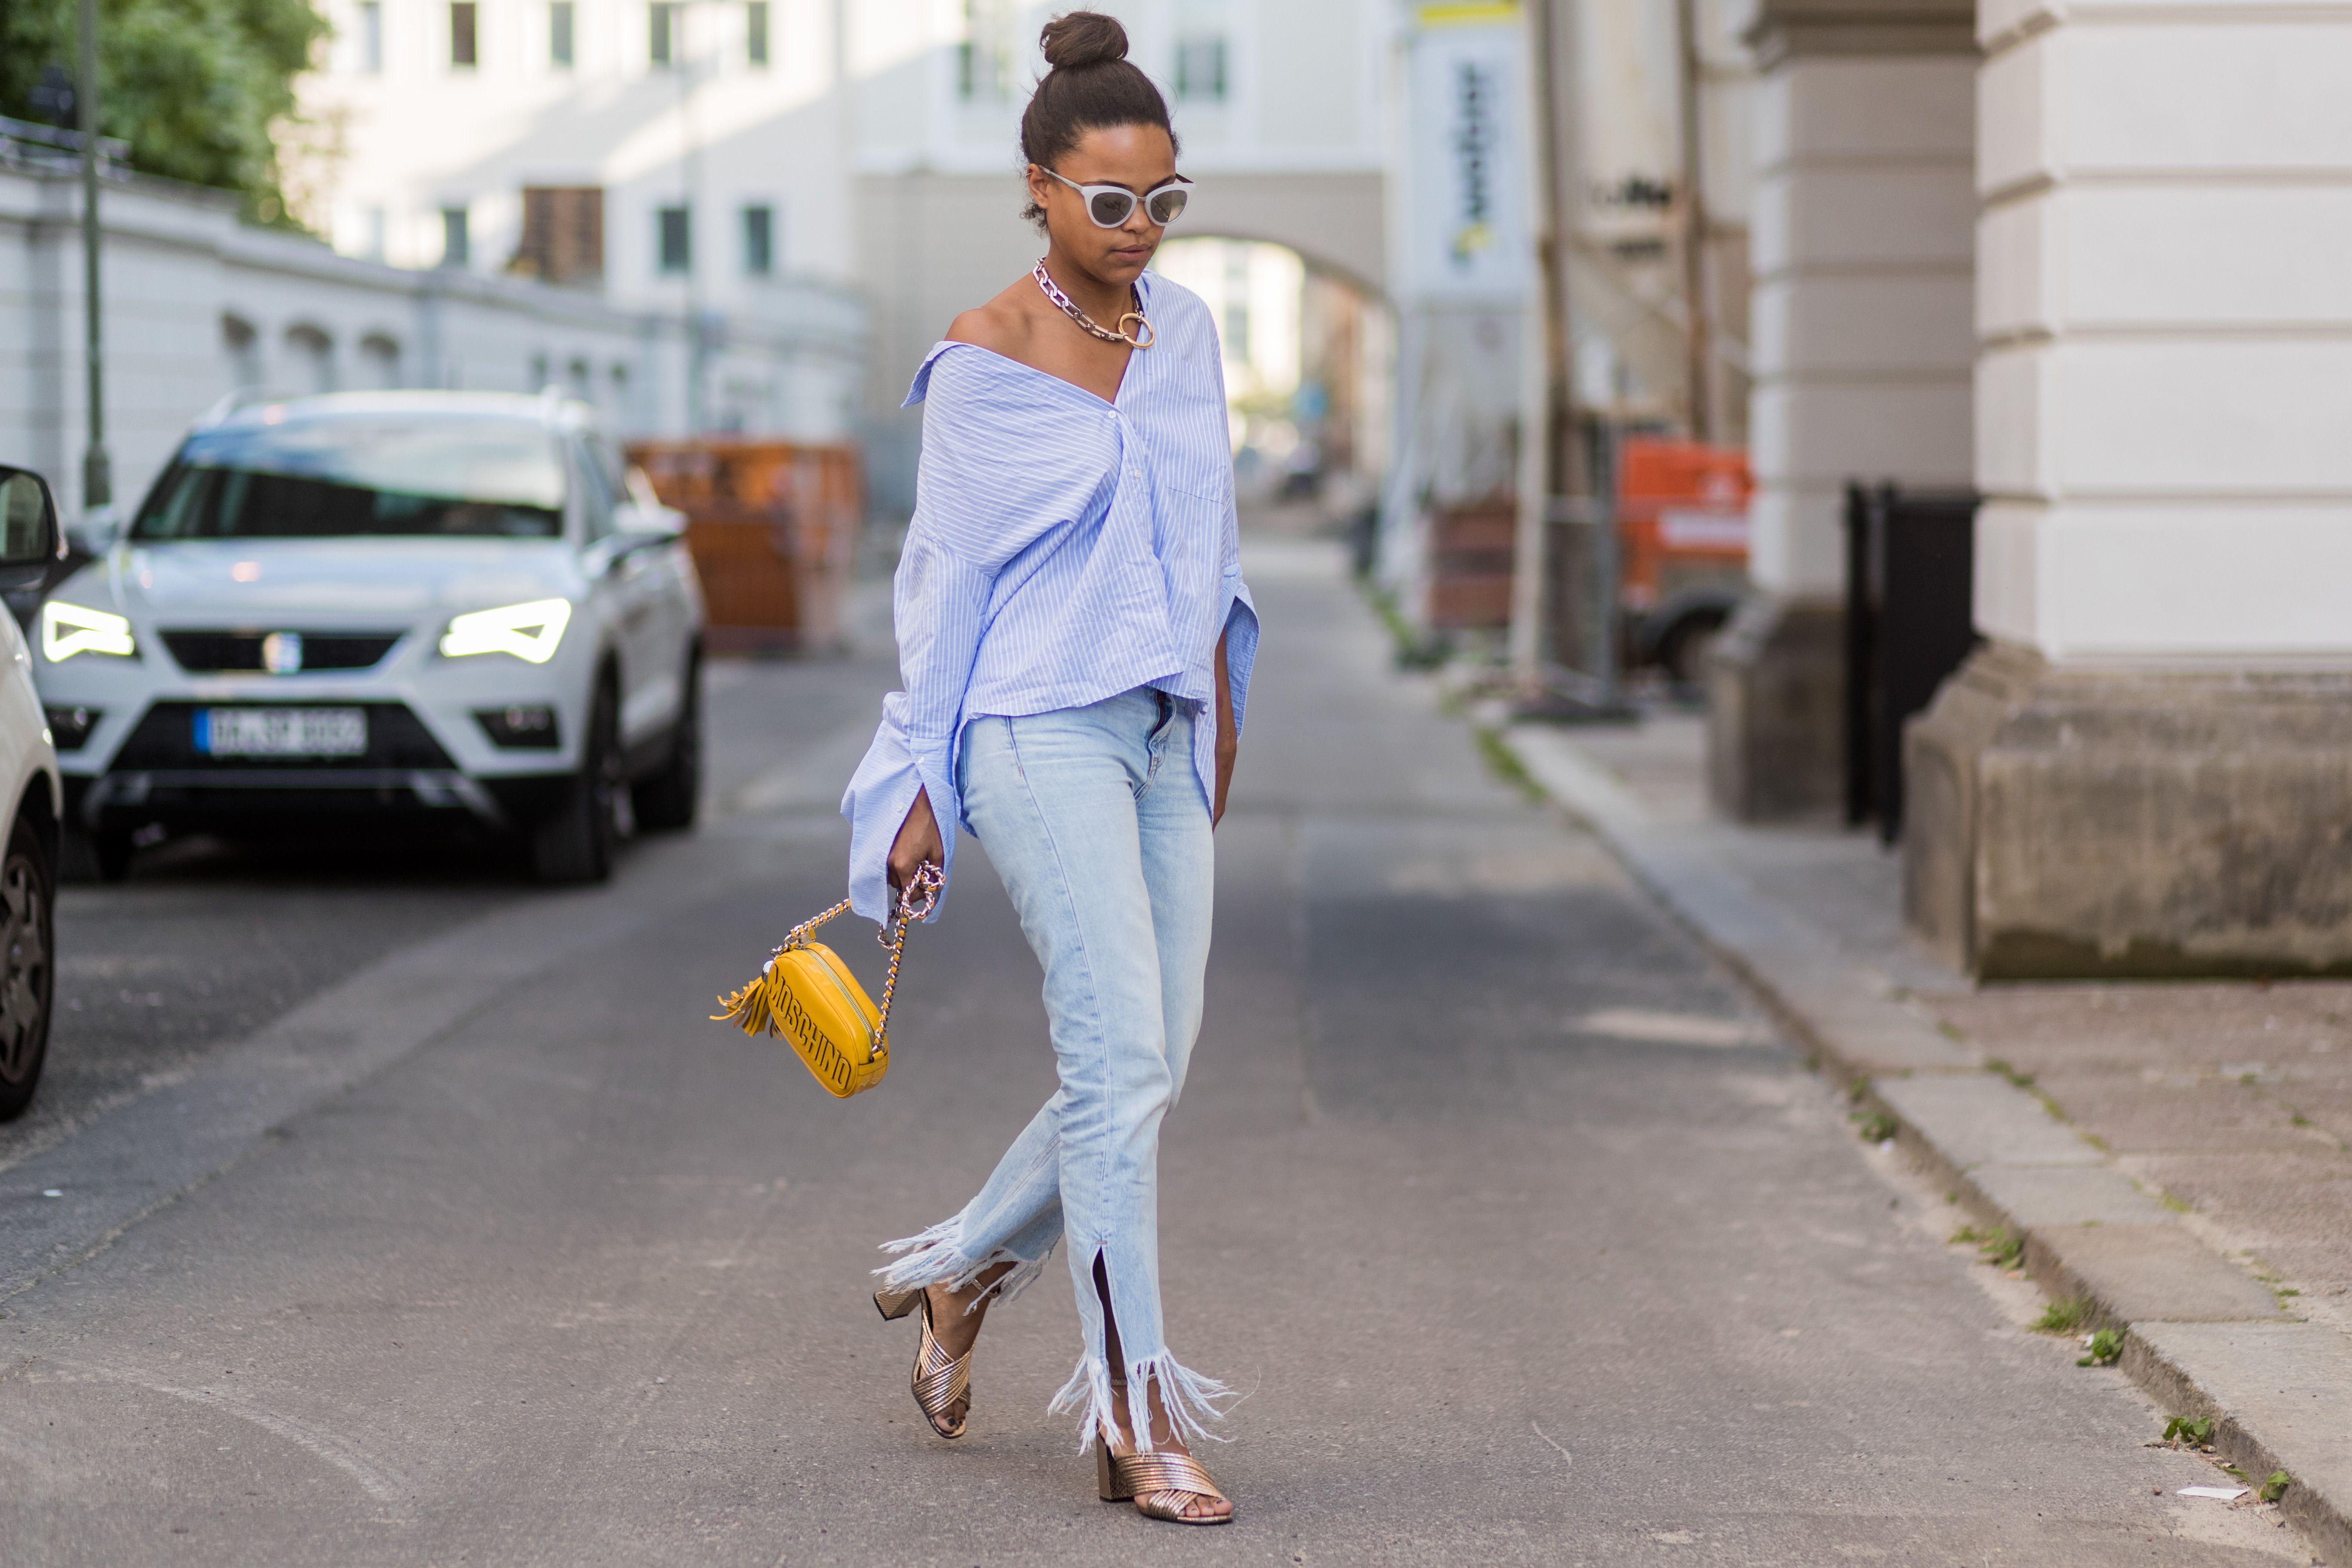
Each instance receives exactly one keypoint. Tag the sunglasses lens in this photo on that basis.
(1110, 208)
(1166, 206)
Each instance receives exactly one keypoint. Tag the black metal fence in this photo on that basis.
(1910, 582)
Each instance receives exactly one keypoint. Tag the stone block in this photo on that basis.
(2149, 1273)
(1829, 430)
(2280, 1392)
(2041, 1197)
(1904, 323)
(1775, 690)
(2072, 823)
(2154, 581)
(1796, 545)
(1977, 1119)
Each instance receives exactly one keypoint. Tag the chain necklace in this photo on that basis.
(1053, 292)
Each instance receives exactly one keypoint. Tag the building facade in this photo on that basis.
(198, 304)
(683, 159)
(2089, 258)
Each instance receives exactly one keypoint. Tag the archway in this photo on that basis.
(1309, 365)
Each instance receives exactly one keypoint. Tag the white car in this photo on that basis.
(30, 546)
(401, 602)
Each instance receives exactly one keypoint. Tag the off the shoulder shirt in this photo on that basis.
(1063, 550)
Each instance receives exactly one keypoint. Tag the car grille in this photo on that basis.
(166, 740)
(227, 653)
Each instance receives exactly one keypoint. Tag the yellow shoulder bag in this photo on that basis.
(808, 995)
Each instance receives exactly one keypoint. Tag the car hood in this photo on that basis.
(321, 583)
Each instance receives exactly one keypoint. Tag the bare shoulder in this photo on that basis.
(1005, 325)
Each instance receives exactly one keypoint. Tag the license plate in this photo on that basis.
(281, 731)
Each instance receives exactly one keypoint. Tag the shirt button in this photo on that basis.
(1135, 473)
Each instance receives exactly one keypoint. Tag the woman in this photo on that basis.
(1076, 642)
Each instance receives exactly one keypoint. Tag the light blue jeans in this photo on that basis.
(1095, 819)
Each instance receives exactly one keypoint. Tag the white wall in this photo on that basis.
(198, 304)
(2164, 393)
(422, 134)
(1860, 346)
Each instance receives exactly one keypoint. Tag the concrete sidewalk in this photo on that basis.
(2173, 1158)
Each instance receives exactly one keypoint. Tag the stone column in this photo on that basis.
(2148, 770)
(1859, 351)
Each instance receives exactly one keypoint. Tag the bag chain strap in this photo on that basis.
(927, 884)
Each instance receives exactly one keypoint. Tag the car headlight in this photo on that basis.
(69, 629)
(529, 632)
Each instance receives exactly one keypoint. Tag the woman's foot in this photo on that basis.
(955, 1330)
(1165, 1490)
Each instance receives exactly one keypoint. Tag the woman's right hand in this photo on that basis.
(917, 841)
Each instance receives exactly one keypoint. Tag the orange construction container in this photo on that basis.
(773, 526)
(1682, 518)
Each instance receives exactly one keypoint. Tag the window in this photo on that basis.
(673, 238)
(461, 33)
(456, 251)
(760, 239)
(985, 58)
(662, 40)
(563, 233)
(1201, 69)
(371, 36)
(755, 31)
(559, 34)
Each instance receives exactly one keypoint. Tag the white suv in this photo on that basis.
(30, 547)
(384, 602)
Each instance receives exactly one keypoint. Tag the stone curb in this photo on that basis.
(2205, 1338)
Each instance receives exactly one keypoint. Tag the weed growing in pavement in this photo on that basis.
(1413, 650)
(2175, 1204)
(2106, 1348)
(2067, 1316)
(2003, 1248)
(1874, 1126)
(2196, 1433)
(2276, 1488)
(1856, 1090)
(2022, 1080)
(1504, 764)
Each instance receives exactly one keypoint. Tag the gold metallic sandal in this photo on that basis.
(1160, 1483)
(939, 1379)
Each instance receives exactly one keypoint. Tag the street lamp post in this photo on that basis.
(97, 472)
(697, 330)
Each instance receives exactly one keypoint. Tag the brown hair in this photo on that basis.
(1091, 84)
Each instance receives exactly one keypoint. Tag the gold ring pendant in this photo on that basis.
(1148, 338)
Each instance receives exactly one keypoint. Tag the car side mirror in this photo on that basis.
(30, 542)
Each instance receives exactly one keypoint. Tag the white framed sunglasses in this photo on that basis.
(1110, 206)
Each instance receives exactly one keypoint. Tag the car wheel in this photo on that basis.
(1683, 650)
(669, 798)
(575, 843)
(27, 978)
(100, 856)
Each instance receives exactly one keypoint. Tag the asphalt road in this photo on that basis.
(420, 1217)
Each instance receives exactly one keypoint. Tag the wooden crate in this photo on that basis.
(1470, 560)
(773, 528)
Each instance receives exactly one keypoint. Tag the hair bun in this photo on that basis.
(1083, 38)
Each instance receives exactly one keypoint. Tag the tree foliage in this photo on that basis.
(195, 86)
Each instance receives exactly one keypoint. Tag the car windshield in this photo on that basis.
(347, 476)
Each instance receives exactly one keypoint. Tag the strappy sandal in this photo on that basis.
(939, 1379)
(1160, 1483)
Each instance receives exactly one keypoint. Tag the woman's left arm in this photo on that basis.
(1229, 736)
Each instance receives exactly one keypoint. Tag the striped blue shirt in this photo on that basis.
(1063, 550)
